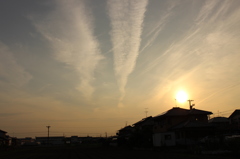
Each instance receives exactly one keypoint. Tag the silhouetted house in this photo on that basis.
(87, 139)
(75, 140)
(3, 138)
(126, 131)
(27, 141)
(124, 135)
(221, 125)
(53, 140)
(144, 124)
(179, 126)
(15, 142)
(143, 130)
(234, 120)
(190, 132)
(9, 140)
(219, 121)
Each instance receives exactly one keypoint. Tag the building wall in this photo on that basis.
(201, 118)
(162, 125)
(235, 119)
(2, 134)
(52, 140)
(164, 139)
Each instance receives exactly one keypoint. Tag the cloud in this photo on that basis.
(159, 26)
(126, 20)
(204, 57)
(11, 73)
(10, 114)
(69, 29)
(205, 11)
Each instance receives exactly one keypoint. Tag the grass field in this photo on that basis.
(79, 152)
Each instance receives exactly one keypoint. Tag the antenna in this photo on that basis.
(190, 104)
(106, 134)
(175, 102)
(146, 111)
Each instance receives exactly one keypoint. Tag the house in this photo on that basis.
(179, 126)
(15, 142)
(3, 138)
(221, 125)
(235, 117)
(53, 140)
(126, 131)
(234, 120)
(124, 135)
(143, 131)
(219, 121)
(27, 141)
(73, 140)
(145, 123)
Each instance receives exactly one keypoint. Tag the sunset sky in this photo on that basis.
(86, 67)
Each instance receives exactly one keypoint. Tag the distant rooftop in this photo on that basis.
(237, 111)
(144, 120)
(218, 120)
(177, 111)
(191, 124)
(3, 131)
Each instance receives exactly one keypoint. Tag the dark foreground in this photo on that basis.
(70, 152)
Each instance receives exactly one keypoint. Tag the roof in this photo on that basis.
(3, 131)
(191, 124)
(144, 121)
(199, 112)
(218, 120)
(176, 111)
(126, 128)
(237, 111)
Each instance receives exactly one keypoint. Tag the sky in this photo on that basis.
(91, 67)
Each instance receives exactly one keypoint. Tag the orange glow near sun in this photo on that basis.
(181, 96)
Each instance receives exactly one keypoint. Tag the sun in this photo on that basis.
(181, 96)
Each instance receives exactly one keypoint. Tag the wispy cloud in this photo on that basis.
(206, 10)
(11, 73)
(160, 24)
(200, 57)
(126, 19)
(69, 29)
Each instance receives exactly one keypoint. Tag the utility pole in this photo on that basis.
(48, 133)
(190, 104)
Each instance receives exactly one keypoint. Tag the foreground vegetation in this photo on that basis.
(100, 152)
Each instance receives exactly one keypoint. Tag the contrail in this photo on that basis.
(69, 29)
(126, 20)
(8, 62)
